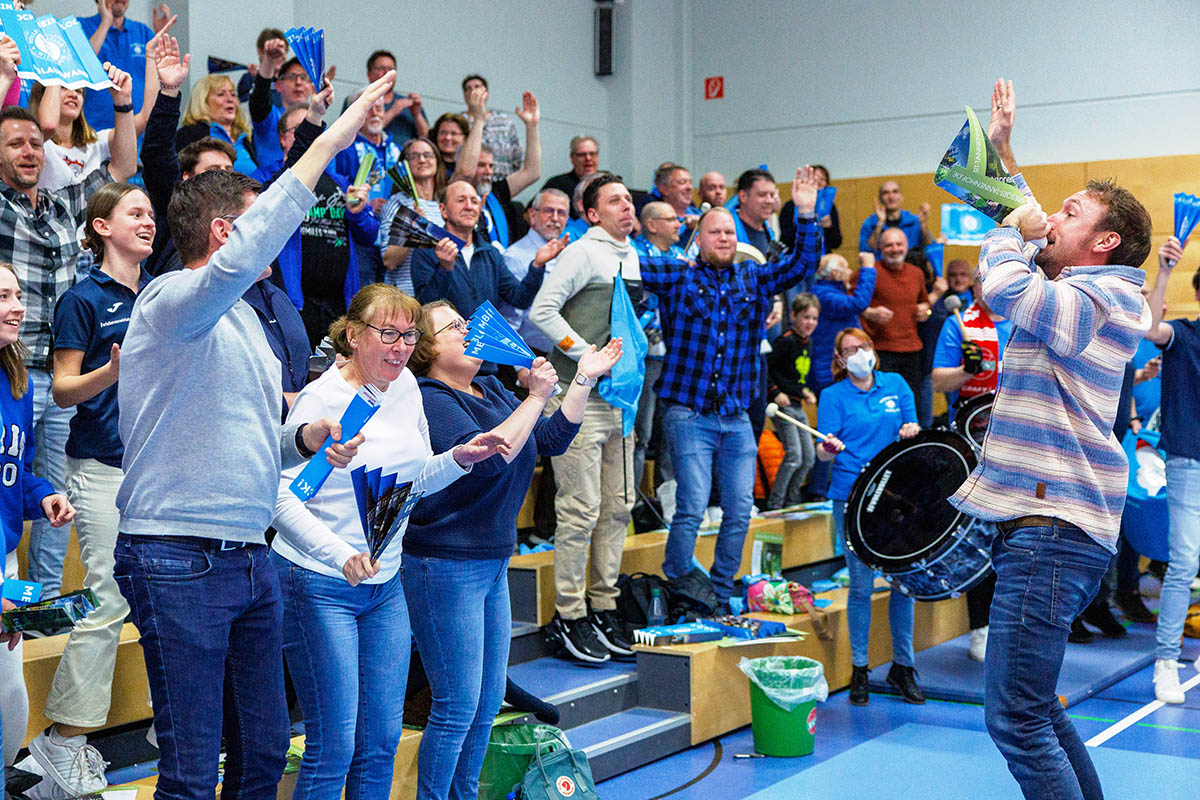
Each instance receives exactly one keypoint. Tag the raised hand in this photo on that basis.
(1030, 220)
(319, 103)
(528, 110)
(10, 57)
(274, 54)
(477, 102)
(161, 18)
(122, 85)
(1169, 254)
(341, 133)
(483, 446)
(1004, 112)
(356, 198)
(548, 252)
(880, 212)
(172, 69)
(104, 7)
(804, 190)
(923, 213)
(594, 363)
(866, 260)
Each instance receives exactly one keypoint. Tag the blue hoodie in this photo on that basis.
(22, 493)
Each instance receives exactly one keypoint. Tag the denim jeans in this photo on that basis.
(462, 622)
(1045, 577)
(643, 426)
(51, 426)
(699, 444)
(1183, 513)
(347, 650)
(201, 611)
(858, 606)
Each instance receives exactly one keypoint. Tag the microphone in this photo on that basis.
(954, 305)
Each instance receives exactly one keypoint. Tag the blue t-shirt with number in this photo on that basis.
(21, 493)
(866, 422)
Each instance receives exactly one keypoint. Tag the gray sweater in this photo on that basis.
(200, 389)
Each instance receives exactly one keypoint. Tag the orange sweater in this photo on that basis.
(901, 292)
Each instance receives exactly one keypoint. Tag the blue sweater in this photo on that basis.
(22, 493)
(487, 278)
(475, 517)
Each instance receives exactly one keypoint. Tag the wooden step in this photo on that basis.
(805, 541)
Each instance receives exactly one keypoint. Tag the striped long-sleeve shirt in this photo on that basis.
(1050, 449)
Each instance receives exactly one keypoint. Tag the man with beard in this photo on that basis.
(499, 219)
(1052, 474)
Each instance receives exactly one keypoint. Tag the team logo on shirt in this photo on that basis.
(113, 308)
(891, 403)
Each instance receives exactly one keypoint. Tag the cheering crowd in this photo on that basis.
(202, 251)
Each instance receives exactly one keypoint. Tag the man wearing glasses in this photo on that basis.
(295, 89)
(547, 215)
(585, 159)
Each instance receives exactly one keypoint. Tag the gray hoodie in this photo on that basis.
(574, 305)
(200, 390)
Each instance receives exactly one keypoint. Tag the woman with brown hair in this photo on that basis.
(459, 540)
(213, 110)
(420, 156)
(863, 412)
(345, 620)
(22, 497)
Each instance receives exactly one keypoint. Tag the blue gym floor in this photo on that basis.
(940, 751)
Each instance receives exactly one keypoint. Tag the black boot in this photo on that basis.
(1079, 633)
(859, 693)
(903, 680)
(1099, 615)
(1133, 608)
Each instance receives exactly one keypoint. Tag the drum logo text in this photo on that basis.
(883, 481)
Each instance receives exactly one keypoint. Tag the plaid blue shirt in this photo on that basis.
(712, 321)
(43, 244)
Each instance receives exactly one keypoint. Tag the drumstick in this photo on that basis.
(773, 411)
(953, 304)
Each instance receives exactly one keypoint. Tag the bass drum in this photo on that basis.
(899, 520)
(972, 418)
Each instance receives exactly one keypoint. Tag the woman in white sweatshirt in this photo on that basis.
(345, 620)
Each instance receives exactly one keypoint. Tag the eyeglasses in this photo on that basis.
(391, 335)
(458, 325)
(849, 351)
(421, 156)
(592, 154)
(547, 211)
(295, 77)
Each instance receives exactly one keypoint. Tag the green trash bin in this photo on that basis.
(784, 692)
(510, 749)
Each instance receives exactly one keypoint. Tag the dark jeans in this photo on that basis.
(908, 366)
(202, 611)
(1045, 576)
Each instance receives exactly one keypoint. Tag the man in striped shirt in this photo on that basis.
(1052, 474)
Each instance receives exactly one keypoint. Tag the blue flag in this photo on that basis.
(623, 388)
(53, 52)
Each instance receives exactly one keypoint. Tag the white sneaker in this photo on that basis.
(978, 647)
(73, 764)
(1166, 681)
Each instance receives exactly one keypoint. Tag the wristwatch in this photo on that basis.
(583, 380)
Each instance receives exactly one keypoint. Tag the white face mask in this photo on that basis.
(861, 363)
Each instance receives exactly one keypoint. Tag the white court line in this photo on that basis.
(1135, 717)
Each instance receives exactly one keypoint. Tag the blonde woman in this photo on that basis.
(213, 110)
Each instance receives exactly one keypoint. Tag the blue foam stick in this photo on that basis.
(317, 470)
(935, 254)
(825, 200)
(479, 348)
(359, 480)
(1187, 213)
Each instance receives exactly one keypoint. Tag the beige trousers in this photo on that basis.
(593, 504)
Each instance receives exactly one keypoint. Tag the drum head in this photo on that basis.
(898, 511)
(972, 418)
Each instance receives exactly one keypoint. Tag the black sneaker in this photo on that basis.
(902, 679)
(1080, 633)
(1099, 615)
(578, 638)
(610, 630)
(1133, 608)
(859, 691)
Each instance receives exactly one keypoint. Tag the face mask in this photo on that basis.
(861, 363)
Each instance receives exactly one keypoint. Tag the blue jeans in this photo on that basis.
(462, 622)
(202, 613)
(699, 443)
(347, 650)
(1183, 513)
(858, 606)
(1045, 577)
(51, 426)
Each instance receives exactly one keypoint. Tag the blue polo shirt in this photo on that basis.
(92, 316)
(1181, 390)
(125, 49)
(866, 422)
(909, 223)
